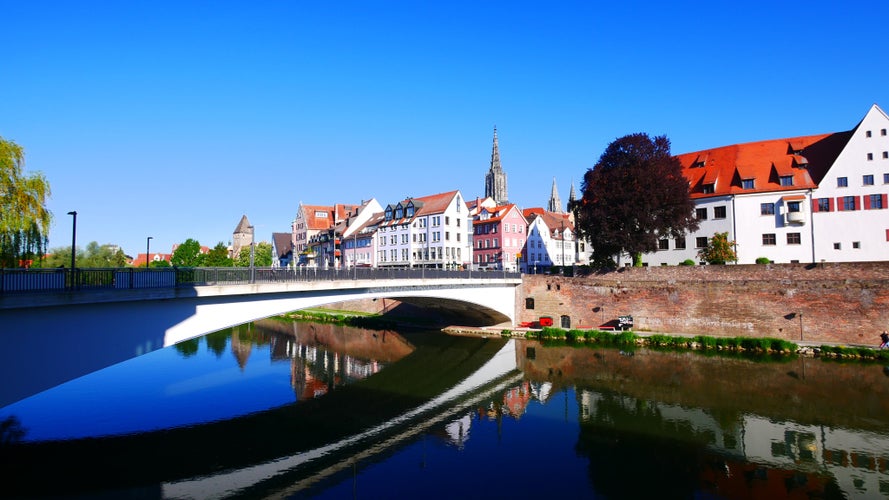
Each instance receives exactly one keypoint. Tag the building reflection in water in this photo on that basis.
(718, 449)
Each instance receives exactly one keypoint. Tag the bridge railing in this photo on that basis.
(16, 281)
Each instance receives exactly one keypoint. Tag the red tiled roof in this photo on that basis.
(806, 159)
(498, 213)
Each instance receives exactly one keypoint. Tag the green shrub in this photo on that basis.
(626, 338)
(706, 342)
(505, 333)
(763, 260)
(687, 262)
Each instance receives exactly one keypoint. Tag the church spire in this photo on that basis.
(572, 196)
(555, 203)
(495, 180)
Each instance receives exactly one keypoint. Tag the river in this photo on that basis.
(306, 410)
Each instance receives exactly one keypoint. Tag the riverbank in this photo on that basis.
(682, 342)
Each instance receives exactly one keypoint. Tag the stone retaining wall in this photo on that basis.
(845, 303)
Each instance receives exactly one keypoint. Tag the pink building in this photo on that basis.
(498, 237)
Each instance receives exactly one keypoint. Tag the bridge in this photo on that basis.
(61, 324)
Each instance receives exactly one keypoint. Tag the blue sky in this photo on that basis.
(174, 119)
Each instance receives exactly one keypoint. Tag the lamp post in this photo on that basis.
(147, 250)
(73, 244)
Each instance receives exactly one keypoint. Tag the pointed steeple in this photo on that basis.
(572, 196)
(495, 180)
(555, 203)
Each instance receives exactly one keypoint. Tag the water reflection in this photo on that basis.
(721, 426)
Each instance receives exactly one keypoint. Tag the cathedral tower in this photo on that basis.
(555, 203)
(495, 180)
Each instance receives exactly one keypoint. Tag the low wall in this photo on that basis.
(845, 303)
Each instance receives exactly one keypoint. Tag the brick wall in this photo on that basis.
(847, 303)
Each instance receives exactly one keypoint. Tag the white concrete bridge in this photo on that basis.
(76, 325)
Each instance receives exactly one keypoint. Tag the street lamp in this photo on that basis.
(73, 244)
(147, 250)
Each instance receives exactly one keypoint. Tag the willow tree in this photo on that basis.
(24, 218)
(635, 195)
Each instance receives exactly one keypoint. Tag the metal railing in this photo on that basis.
(14, 281)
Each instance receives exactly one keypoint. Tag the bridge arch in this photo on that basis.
(64, 337)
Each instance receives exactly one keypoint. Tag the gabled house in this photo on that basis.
(356, 233)
(312, 230)
(801, 199)
(282, 246)
(551, 241)
(429, 231)
(498, 237)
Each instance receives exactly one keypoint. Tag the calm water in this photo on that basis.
(300, 410)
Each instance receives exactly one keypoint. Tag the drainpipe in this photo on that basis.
(811, 226)
(735, 229)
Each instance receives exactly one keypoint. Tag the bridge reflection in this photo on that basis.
(439, 376)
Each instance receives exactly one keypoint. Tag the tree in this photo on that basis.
(187, 254)
(719, 250)
(218, 257)
(633, 196)
(95, 255)
(24, 218)
(262, 255)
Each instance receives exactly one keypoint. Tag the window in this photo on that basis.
(867, 180)
(719, 212)
(793, 206)
(793, 239)
(885, 154)
(663, 244)
(708, 189)
(701, 213)
(823, 204)
(746, 183)
(856, 244)
(867, 133)
(875, 201)
(870, 156)
(786, 180)
(842, 182)
(837, 246)
(701, 242)
(529, 303)
(769, 239)
(680, 243)
(885, 178)
(767, 209)
(883, 131)
(849, 202)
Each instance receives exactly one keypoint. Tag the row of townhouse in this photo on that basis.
(439, 231)
(811, 199)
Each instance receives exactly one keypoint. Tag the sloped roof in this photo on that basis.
(552, 220)
(806, 159)
(243, 226)
(283, 244)
(498, 213)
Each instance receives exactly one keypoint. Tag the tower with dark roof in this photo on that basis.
(555, 203)
(241, 237)
(495, 180)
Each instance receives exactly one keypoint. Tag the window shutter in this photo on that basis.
(830, 205)
(867, 202)
(839, 204)
(857, 201)
(884, 198)
(814, 205)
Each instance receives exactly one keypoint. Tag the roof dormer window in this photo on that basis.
(747, 184)
(708, 188)
(786, 180)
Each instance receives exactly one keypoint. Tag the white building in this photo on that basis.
(803, 199)
(357, 235)
(429, 231)
(551, 242)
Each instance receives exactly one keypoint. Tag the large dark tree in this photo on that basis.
(635, 195)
